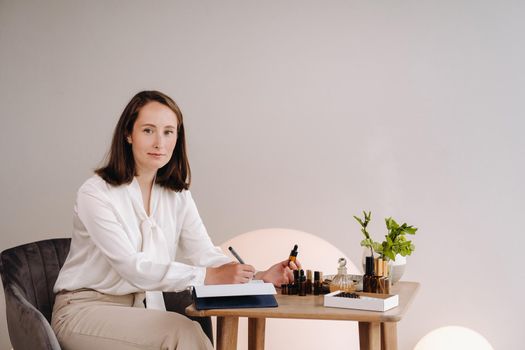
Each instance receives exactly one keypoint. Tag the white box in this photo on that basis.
(366, 301)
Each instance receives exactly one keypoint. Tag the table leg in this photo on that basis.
(389, 336)
(227, 332)
(369, 335)
(256, 327)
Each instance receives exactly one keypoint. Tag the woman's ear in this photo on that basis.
(128, 139)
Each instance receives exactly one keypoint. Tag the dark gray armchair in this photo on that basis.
(29, 273)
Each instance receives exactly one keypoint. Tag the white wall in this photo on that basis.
(299, 114)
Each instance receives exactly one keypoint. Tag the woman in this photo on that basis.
(137, 233)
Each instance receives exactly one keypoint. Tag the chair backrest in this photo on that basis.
(33, 269)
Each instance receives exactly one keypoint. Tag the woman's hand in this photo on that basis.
(229, 273)
(280, 273)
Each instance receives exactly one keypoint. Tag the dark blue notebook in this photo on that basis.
(234, 302)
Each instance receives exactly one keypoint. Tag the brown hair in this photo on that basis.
(120, 167)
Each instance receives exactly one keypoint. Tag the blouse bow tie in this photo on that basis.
(155, 248)
(154, 242)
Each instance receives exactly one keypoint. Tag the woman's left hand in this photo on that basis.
(280, 273)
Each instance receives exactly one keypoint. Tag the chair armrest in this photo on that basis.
(28, 328)
(178, 301)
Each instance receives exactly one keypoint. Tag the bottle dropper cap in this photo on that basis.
(294, 250)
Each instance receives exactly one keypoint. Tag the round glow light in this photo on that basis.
(453, 338)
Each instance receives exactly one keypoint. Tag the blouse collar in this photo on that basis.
(136, 196)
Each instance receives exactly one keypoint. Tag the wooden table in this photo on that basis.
(377, 330)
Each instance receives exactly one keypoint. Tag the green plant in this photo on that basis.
(395, 240)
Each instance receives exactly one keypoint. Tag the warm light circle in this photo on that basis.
(453, 338)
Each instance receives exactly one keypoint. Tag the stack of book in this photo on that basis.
(235, 296)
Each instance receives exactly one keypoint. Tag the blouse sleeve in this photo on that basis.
(109, 236)
(195, 245)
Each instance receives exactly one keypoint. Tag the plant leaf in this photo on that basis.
(391, 255)
(410, 230)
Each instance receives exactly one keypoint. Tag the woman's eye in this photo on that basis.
(147, 131)
(168, 132)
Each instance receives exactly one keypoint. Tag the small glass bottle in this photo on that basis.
(295, 288)
(290, 288)
(302, 286)
(308, 281)
(341, 281)
(369, 280)
(317, 283)
(384, 281)
(378, 269)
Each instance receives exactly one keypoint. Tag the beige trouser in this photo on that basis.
(91, 320)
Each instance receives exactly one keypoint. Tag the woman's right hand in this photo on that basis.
(229, 273)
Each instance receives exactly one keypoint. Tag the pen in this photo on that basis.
(293, 255)
(234, 253)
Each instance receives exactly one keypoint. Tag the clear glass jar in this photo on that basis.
(342, 281)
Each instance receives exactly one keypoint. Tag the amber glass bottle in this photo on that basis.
(308, 281)
(369, 279)
(384, 281)
(302, 286)
(317, 283)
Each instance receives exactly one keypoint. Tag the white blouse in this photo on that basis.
(116, 248)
